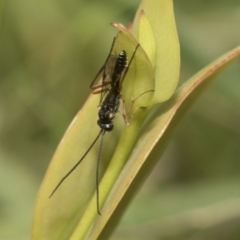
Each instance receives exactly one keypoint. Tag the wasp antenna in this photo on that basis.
(97, 173)
(75, 166)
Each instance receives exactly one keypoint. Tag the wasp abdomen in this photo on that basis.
(121, 62)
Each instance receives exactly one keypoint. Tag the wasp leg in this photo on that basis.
(126, 111)
(98, 88)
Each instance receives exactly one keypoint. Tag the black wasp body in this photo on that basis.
(110, 88)
(110, 105)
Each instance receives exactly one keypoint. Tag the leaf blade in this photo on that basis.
(161, 129)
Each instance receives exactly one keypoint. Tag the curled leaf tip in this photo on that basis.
(119, 26)
(114, 24)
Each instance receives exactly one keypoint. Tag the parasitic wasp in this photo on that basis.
(113, 72)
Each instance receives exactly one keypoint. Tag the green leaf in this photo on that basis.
(71, 212)
(56, 217)
(146, 37)
(159, 14)
(159, 130)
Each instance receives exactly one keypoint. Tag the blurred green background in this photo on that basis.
(50, 52)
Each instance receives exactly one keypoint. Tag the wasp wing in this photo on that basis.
(106, 70)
